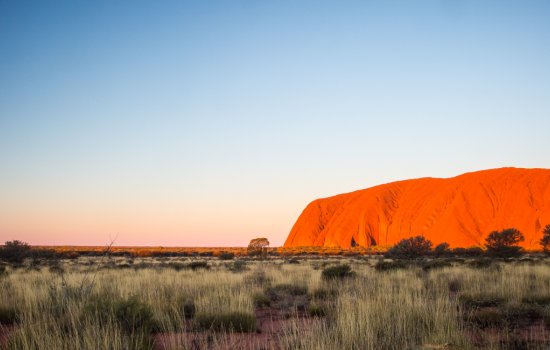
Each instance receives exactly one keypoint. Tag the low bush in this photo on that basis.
(455, 285)
(195, 265)
(8, 315)
(485, 318)
(276, 291)
(188, 308)
(100, 307)
(442, 249)
(545, 240)
(261, 300)
(288, 296)
(123, 266)
(480, 301)
(176, 266)
(258, 278)
(144, 265)
(522, 314)
(337, 272)
(226, 256)
(237, 266)
(468, 252)
(133, 315)
(435, 264)
(15, 251)
(481, 263)
(542, 300)
(228, 322)
(44, 254)
(317, 310)
(56, 269)
(382, 265)
(324, 293)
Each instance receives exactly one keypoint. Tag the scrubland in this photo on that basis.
(277, 303)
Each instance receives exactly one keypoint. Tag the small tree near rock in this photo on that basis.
(410, 248)
(545, 240)
(258, 246)
(442, 249)
(504, 243)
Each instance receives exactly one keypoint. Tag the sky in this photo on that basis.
(208, 123)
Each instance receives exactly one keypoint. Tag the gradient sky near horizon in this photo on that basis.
(208, 123)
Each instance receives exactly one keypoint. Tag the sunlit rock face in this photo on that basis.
(461, 211)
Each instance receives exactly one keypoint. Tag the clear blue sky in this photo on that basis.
(209, 123)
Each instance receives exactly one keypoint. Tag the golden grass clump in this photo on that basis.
(145, 303)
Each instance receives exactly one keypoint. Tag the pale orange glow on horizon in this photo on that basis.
(218, 122)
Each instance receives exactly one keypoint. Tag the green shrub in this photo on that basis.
(45, 254)
(468, 252)
(442, 249)
(516, 315)
(176, 266)
(542, 300)
(8, 315)
(279, 290)
(134, 315)
(317, 310)
(188, 307)
(143, 265)
(480, 301)
(484, 318)
(195, 265)
(382, 265)
(545, 240)
(237, 266)
(124, 266)
(56, 269)
(481, 263)
(100, 307)
(324, 293)
(229, 322)
(226, 256)
(435, 264)
(410, 248)
(288, 296)
(15, 251)
(337, 272)
(261, 300)
(258, 278)
(455, 285)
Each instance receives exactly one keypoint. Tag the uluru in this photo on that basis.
(461, 211)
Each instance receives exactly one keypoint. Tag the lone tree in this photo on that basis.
(410, 248)
(258, 246)
(504, 243)
(545, 240)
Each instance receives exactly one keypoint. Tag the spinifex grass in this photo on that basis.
(377, 309)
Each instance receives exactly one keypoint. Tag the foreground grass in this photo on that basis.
(119, 304)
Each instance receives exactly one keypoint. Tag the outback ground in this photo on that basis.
(279, 302)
